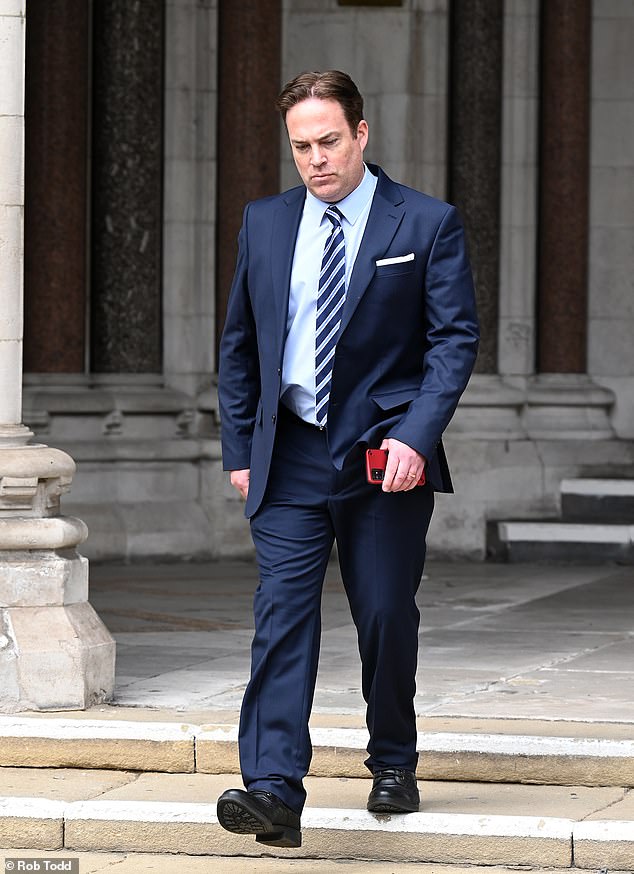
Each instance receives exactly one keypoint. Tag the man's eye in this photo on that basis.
(330, 142)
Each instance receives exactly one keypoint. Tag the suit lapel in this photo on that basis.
(283, 235)
(386, 214)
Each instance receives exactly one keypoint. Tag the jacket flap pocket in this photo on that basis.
(396, 398)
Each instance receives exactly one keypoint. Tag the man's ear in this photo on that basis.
(362, 133)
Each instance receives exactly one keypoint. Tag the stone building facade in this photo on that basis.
(150, 124)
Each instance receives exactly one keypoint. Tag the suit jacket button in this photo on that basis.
(273, 418)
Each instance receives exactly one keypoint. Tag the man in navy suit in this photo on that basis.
(351, 324)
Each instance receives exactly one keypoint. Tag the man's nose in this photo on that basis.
(316, 156)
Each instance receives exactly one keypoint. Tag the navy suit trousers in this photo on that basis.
(380, 540)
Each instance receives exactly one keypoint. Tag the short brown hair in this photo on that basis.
(331, 85)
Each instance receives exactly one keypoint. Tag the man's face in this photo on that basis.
(327, 156)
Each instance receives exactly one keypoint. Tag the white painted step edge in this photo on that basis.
(604, 830)
(336, 738)
(456, 742)
(31, 808)
(598, 487)
(80, 729)
(162, 812)
(564, 532)
(341, 819)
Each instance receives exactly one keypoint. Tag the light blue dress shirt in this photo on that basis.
(298, 369)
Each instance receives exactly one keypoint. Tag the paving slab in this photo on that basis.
(573, 803)
(580, 696)
(61, 784)
(619, 810)
(519, 642)
(486, 799)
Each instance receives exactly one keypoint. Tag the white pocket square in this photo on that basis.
(383, 262)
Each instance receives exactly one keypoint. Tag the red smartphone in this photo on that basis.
(375, 462)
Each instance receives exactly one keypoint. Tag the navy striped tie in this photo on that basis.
(330, 298)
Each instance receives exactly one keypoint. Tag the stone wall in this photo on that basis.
(398, 57)
(611, 287)
(189, 209)
(149, 477)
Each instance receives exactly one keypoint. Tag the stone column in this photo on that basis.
(249, 45)
(55, 186)
(12, 432)
(475, 142)
(127, 172)
(562, 401)
(189, 197)
(490, 408)
(518, 232)
(54, 651)
(564, 185)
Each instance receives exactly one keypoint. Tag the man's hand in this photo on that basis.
(404, 467)
(240, 481)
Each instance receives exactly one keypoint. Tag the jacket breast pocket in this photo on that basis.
(401, 268)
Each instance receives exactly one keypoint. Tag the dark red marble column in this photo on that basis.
(127, 186)
(56, 107)
(249, 48)
(563, 189)
(475, 152)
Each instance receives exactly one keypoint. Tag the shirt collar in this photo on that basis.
(350, 207)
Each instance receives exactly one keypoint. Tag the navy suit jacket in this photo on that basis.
(407, 344)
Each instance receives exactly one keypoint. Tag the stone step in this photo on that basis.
(562, 541)
(597, 500)
(185, 748)
(151, 863)
(460, 823)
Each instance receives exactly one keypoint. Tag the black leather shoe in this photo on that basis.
(394, 791)
(262, 814)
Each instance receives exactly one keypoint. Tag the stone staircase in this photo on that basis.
(596, 525)
(552, 796)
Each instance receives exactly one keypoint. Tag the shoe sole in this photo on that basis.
(241, 820)
(391, 807)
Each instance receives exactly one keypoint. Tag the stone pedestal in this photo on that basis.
(55, 653)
